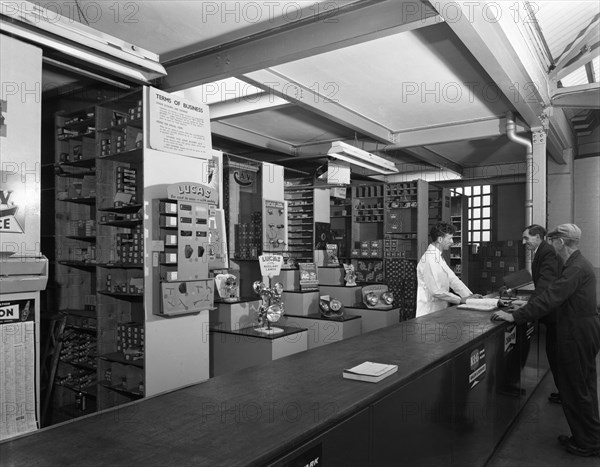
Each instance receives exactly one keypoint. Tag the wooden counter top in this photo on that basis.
(254, 415)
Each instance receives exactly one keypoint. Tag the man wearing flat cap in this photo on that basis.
(578, 339)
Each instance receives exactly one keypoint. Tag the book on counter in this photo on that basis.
(370, 372)
(480, 304)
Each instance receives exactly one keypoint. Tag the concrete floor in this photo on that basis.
(532, 440)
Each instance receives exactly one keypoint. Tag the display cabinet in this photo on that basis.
(120, 274)
(74, 392)
(108, 170)
(341, 221)
(299, 194)
(458, 251)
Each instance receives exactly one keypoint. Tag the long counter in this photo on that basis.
(461, 381)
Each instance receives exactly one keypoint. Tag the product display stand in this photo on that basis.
(323, 331)
(231, 316)
(237, 349)
(373, 318)
(349, 296)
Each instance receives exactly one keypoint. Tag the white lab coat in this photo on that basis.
(434, 279)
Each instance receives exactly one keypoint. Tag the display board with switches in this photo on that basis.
(186, 234)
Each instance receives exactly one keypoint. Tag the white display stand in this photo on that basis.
(374, 318)
(323, 331)
(231, 316)
(349, 296)
(298, 302)
(234, 350)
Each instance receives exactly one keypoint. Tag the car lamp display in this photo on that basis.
(227, 287)
(331, 307)
(271, 309)
(377, 296)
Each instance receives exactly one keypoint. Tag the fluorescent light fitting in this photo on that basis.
(39, 25)
(353, 155)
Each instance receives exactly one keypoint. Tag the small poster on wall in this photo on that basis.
(323, 235)
(178, 125)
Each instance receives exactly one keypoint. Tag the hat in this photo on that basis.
(566, 231)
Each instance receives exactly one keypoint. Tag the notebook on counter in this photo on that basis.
(370, 372)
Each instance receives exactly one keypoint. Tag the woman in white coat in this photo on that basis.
(434, 276)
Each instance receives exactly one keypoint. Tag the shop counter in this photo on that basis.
(449, 403)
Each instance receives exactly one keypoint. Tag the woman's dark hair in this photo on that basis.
(441, 229)
(535, 229)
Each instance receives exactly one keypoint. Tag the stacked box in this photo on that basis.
(130, 246)
(81, 228)
(368, 249)
(126, 182)
(135, 112)
(133, 216)
(493, 261)
(89, 302)
(80, 254)
(400, 246)
(130, 340)
(401, 278)
(79, 348)
(248, 238)
(105, 147)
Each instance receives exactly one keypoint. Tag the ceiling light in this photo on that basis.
(72, 39)
(353, 155)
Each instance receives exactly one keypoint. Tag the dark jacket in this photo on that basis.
(574, 295)
(545, 269)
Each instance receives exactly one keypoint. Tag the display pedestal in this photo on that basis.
(349, 296)
(231, 316)
(234, 350)
(331, 275)
(373, 318)
(289, 278)
(323, 331)
(302, 303)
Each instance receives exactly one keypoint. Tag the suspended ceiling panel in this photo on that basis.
(489, 151)
(171, 28)
(292, 125)
(405, 81)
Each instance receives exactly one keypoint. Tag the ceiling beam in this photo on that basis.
(499, 46)
(246, 105)
(581, 51)
(434, 159)
(340, 27)
(251, 138)
(277, 84)
(478, 129)
(584, 96)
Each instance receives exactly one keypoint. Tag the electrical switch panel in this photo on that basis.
(183, 231)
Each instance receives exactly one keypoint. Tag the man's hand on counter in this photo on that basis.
(502, 316)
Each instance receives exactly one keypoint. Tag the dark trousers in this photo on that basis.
(576, 360)
(551, 350)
